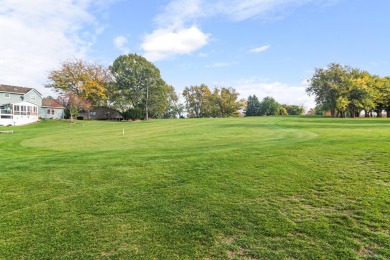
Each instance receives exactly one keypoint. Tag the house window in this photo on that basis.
(7, 95)
(5, 112)
(17, 110)
(23, 110)
(33, 98)
(93, 113)
(48, 111)
(52, 111)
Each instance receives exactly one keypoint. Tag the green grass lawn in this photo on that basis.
(262, 187)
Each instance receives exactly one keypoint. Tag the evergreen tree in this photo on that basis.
(253, 106)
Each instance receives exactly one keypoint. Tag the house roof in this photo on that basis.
(14, 89)
(18, 102)
(49, 102)
(105, 108)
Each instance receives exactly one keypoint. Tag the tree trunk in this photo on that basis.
(146, 104)
(352, 114)
(379, 113)
(366, 113)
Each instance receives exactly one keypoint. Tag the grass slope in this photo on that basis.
(264, 187)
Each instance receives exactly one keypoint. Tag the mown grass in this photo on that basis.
(265, 187)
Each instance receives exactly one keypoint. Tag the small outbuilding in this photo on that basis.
(104, 113)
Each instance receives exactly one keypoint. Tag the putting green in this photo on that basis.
(213, 133)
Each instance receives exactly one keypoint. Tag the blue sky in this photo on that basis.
(262, 47)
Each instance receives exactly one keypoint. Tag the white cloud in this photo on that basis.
(282, 93)
(120, 43)
(177, 33)
(179, 18)
(164, 43)
(260, 49)
(178, 12)
(263, 9)
(37, 35)
(220, 64)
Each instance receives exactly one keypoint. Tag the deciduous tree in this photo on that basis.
(139, 83)
(197, 101)
(74, 104)
(86, 80)
(224, 102)
(269, 107)
(326, 85)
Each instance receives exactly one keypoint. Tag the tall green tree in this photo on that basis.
(362, 92)
(197, 101)
(253, 106)
(139, 82)
(224, 102)
(269, 107)
(327, 84)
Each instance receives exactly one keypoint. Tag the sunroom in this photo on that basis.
(19, 113)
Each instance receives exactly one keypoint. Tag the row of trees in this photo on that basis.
(131, 83)
(134, 86)
(346, 91)
(200, 101)
(269, 107)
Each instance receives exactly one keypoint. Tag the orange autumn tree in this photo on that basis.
(86, 80)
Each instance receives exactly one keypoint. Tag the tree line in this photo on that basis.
(346, 91)
(134, 86)
(200, 101)
(131, 85)
(270, 107)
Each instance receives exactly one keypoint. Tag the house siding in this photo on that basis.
(55, 113)
(33, 93)
(13, 98)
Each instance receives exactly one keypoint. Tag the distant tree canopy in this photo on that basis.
(269, 107)
(201, 102)
(343, 91)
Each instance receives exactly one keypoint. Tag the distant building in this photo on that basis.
(102, 113)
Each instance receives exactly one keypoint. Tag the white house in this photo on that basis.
(20, 106)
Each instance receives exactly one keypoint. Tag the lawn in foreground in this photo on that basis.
(262, 187)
